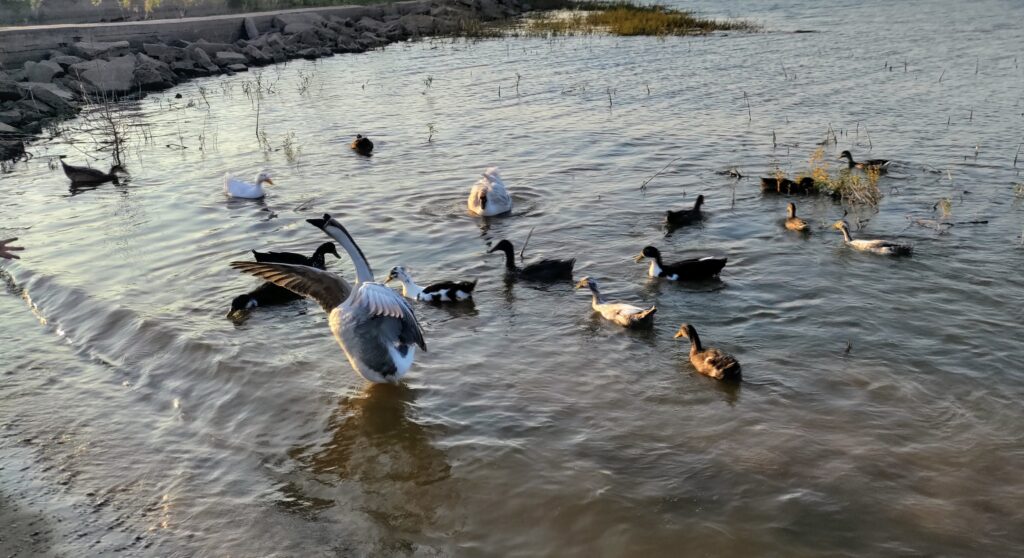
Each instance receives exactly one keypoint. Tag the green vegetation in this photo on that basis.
(627, 19)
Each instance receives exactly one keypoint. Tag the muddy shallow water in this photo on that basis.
(880, 413)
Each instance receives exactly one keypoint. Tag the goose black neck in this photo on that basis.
(510, 258)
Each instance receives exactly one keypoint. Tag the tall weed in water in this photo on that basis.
(844, 185)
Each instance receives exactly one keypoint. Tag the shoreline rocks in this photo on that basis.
(55, 87)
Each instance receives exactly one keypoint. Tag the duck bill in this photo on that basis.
(581, 284)
(269, 181)
(679, 334)
(639, 258)
(235, 315)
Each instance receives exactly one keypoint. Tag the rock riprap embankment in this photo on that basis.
(55, 87)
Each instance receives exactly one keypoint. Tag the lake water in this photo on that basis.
(880, 413)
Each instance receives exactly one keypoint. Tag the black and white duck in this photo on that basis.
(87, 175)
(362, 145)
(542, 270)
(711, 362)
(877, 164)
(882, 247)
(375, 327)
(625, 315)
(694, 269)
(445, 291)
(683, 217)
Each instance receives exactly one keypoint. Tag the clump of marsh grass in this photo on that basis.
(626, 18)
(844, 185)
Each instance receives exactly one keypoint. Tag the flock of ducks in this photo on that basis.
(376, 326)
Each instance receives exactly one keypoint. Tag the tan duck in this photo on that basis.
(882, 247)
(793, 222)
(714, 363)
(625, 315)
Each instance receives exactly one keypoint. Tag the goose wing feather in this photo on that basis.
(324, 287)
(375, 300)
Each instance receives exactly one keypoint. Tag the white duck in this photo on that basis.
(882, 247)
(374, 325)
(488, 196)
(238, 188)
(625, 315)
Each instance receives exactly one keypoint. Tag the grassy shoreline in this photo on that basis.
(626, 19)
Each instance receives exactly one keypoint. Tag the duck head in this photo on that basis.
(587, 283)
(327, 248)
(264, 177)
(846, 155)
(240, 305)
(502, 246)
(397, 272)
(841, 226)
(648, 252)
(685, 331)
(699, 202)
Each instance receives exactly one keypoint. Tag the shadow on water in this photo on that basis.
(241, 203)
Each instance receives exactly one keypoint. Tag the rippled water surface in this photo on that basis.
(881, 409)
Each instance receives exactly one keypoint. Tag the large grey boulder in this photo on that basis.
(89, 50)
(164, 53)
(297, 27)
(213, 48)
(283, 20)
(42, 72)
(151, 74)
(238, 68)
(369, 24)
(306, 39)
(58, 98)
(225, 58)
(251, 31)
(256, 56)
(107, 76)
(8, 89)
(419, 24)
(66, 60)
(12, 117)
(203, 59)
(8, 129)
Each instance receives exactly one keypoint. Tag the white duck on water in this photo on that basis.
(238, 188)
(488, 197)
(375, 326)
(625, 315)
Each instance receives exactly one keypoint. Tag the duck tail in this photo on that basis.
(647, 316)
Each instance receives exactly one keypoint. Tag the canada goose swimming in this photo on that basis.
(878, 164)
(776, 185)
(715, 363)
(86, 175)
(694, 269)
(541, 270)
(362, 145)
(316, 260)
(488, 196)
(445, 291)
(238, 188)
(685, 216)
(625, 315)
(883, 247)
(269, 294)
(793, 222)
(375, 327)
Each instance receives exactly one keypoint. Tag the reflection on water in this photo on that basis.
(137, 416)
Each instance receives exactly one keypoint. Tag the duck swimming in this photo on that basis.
(694, 269)
(793, 222)
(445, 291)
(877, 164)
(238, 188)
(316, 260)
(625, 315)
(882, 247)
(269, 294)
(488, 197)
(685, 217)
(86, 175)
(362, 145)
(375, 327)
(714, 363)
(548, 270)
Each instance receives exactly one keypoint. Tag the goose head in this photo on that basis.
(648, 252)
(846, 155)
(502, 246)
(264, 177)
(240, 304)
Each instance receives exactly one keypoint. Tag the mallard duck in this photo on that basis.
(776, 185)
(375, 327)
(445, 291)
(883, 247)
(625, 315)
(238, 188)
(878, 164)
(362, 145)
(488, 196)
(793, 222)
(269, 294)
(685, 216)
(694, 269)
(541, 270)
(715, 363)
(316, 260)
(86, 175)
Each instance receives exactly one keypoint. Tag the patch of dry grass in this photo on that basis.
(629, 19)
(844, 185)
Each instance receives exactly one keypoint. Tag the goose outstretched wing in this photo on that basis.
(324, 287)
(376, 300)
